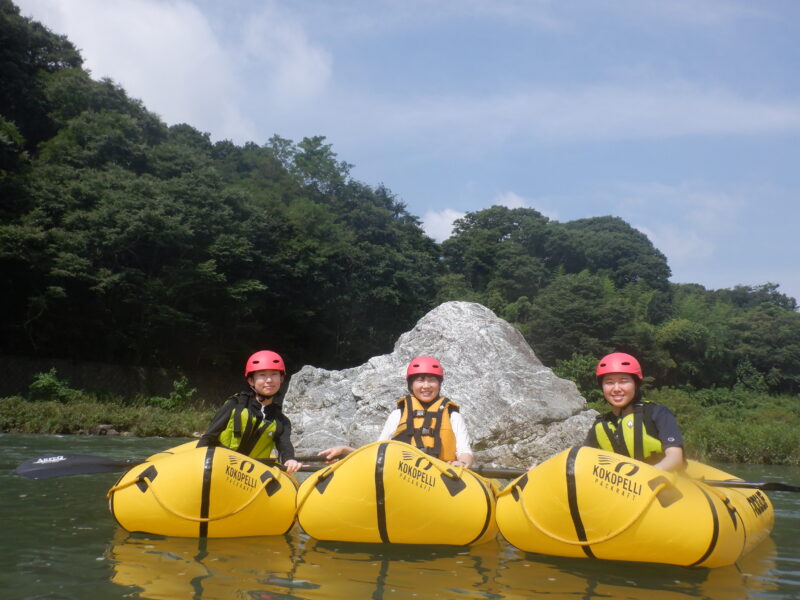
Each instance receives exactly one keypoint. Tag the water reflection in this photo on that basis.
(581, 578)
(296, 566)
(59, 541)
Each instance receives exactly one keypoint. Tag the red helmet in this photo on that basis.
(425, 365)
(262, 360)
(619, 362)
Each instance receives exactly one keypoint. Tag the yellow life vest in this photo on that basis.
(249, 434)
(633, 435)
(427, 426)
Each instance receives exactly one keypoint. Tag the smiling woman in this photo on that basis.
(424, 418)
(634, 428)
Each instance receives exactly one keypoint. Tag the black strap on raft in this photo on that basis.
(205, 492)
(380, 493)
(146, 476)
(273, 485)
(572, 499)
(714, 537)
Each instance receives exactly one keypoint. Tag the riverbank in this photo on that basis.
(87, 417)
(719, 425)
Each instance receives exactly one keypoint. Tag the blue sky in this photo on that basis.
(681, 117)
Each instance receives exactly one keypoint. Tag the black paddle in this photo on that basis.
(45, 467)
(769, 486)
(59, 465)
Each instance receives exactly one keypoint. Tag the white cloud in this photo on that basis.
(282, 57)
(439, 224)
(510, 200)
(689, 223)
(168, 55)
(276, 77)
(164, 53)
(688, 12)
(619, 111)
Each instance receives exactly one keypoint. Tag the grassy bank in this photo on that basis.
(51, 406)
(18, 415)
(738, 425)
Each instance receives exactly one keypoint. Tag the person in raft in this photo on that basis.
(424, 418)
(634, 427)
(251, 422)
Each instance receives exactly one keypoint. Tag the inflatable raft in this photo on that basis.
(391, 492)
(592, 503)
(204, 492)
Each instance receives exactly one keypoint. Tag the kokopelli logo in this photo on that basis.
(246, 466)
(413, 468)
(631, 471)
(606, 460)
(238, 472)
(617, 478)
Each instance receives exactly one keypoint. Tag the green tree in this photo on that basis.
(500, 252)
(29, 54)
(624, 254)
(687, 344)
(579, 313)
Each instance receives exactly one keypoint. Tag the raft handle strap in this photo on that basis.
(187, 517)
(611, 535)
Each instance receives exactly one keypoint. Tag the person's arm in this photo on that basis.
(217, 425)
(333, 454)
(464, 455)
(390, 425)
(671, 439)
(673, 459)
(591, 437)
(284, 446)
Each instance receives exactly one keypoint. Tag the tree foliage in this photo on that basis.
(125, 240)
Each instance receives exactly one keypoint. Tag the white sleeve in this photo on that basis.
(392, 421)
(461, 433)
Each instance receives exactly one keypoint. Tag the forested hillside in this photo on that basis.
(124, 240)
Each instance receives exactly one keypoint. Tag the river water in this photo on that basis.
(60, 542)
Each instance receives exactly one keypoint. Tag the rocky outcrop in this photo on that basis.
(518, 412)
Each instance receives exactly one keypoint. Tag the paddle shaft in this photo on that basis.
(60, 465)
(768, 486)
(45, 467)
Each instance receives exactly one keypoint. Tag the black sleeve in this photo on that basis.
(591, 438)
(668, 431)
(283, 441)
(591, 435)
(217, 426)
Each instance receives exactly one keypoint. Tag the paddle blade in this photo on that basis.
(58, 465)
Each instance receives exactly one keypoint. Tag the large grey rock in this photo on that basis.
(517, 411)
